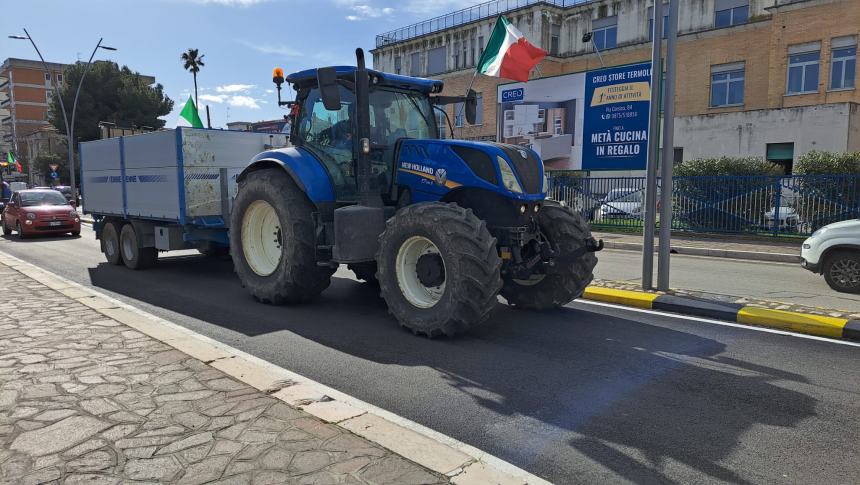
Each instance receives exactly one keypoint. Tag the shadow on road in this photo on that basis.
(646, 402)
(13, 238)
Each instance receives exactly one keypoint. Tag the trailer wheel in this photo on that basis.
(566, 231)
(272, 240)
(134, 256)
(110, 243)
(438, 269)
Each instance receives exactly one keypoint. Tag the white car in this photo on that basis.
(622, 203)
(834, 251)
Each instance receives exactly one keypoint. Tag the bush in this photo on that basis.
(827, 163)
(727, 166)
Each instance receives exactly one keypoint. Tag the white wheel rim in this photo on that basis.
(109, 247)
(406, 267)
(261, 238)
(127, 248)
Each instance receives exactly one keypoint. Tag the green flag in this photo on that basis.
(189, 115)
(9, 160)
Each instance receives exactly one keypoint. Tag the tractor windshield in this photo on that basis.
(396, 114)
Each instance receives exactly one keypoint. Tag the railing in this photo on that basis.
(765, 205)
(484, 10)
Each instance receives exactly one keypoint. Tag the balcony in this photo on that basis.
(491, 9)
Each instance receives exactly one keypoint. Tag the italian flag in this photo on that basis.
(188, 116)
(509, 54)
(11, 160)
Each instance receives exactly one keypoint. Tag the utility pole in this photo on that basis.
(650, 214)
(668, 152)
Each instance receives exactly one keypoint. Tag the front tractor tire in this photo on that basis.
(272, 240)
(438, 269)
(567, 232)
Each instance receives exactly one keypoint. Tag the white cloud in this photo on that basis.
(214, 98)
(276, 49)
(234, 88)
(362, 11)
(230, 3)
(243, 102)
(270, 91)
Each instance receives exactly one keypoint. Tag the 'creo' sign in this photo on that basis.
(615, 129)
(513, 95)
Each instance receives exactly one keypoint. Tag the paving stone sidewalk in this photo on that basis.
(85, 399)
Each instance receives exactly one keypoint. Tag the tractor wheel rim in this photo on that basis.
(262, 238)
(406, 266)
(846, 272)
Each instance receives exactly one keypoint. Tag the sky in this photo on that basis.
(241, 40)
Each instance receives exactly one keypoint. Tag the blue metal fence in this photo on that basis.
(772, 205)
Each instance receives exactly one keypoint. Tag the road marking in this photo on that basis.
(480, 466)
(715, 322)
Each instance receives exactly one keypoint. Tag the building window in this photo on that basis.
(59, 78)
(731, 12)
(677, 155)
(480, 47)
(49, 95)
(441, 124)
(459, 115)
(456, 57)
(843, 63)
(727, 85)
(651, 22)
(465, 50)
(605, 32)
(436, 60)
(781, 154)
(479, 115)
(555, 36)
(398, 64)
(803, 66)
(415, 64)
(47, 76)
(472, 51)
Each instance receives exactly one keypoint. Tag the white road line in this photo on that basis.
(716, 322)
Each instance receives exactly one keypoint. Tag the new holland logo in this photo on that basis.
(524, 154)
(441, 176)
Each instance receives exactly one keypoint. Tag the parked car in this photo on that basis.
(67, 193)
(788, 218)
(39, 211)
(624, 203)
(834, 251)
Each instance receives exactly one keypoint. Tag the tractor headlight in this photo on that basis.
(509, 180)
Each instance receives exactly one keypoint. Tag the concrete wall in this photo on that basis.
(747, 133)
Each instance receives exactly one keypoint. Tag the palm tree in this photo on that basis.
(193, 62)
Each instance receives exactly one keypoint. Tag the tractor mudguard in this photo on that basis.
(307, 172)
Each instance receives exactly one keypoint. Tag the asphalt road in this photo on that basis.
(586, 394)
(770, 281)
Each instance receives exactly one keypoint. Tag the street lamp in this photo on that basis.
(70, 128)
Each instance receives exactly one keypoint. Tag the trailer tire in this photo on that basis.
(438, 269)
(294, 277)
(566, 231)
(134, 256)
(364, 271)
(110, 243)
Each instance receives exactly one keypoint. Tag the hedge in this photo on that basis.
(827, 163)
(727, 166)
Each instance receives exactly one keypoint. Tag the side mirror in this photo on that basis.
(327, 81)
(471, 107)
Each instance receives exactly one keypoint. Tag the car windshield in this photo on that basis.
(29, 199)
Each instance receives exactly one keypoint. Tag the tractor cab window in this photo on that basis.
(395, 115)
(329, 136)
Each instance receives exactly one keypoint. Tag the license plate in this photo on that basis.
(55, 223)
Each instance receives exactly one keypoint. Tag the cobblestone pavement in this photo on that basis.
(85, 399)
(756, 302)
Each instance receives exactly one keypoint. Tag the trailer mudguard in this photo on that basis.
(308, 173)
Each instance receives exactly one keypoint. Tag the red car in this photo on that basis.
(40, 211)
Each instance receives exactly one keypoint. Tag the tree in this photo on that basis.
(192, 63)
(112, 94)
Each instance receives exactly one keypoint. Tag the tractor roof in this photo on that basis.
(309, 76)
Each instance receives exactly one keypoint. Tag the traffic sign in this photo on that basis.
(55, 175)
(54, 166)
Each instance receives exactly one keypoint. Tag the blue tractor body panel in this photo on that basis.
(384, 79)
(305, 169)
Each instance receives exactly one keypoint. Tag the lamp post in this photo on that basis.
(70, 126)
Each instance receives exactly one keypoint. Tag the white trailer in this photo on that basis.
(165, 190)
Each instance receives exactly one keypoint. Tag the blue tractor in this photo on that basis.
(442, 226)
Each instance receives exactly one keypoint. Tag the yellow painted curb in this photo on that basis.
(796, 322)
(624, 297)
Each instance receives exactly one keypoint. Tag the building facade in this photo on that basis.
(26, 94)
(768, 78)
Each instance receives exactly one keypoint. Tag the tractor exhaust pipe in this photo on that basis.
(366, 193)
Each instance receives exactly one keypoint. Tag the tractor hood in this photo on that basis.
(515, 171)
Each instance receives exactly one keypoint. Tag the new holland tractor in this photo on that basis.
(443, 226)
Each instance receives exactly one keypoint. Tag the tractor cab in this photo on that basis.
(398, 108)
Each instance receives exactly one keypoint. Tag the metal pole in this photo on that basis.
(72, 177)
(668, 152)
(599, 56)
(653, 151)
(57, 93)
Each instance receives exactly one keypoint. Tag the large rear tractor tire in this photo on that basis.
(272, 240)
(134, 256)
(438, 269)
(566, 231)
